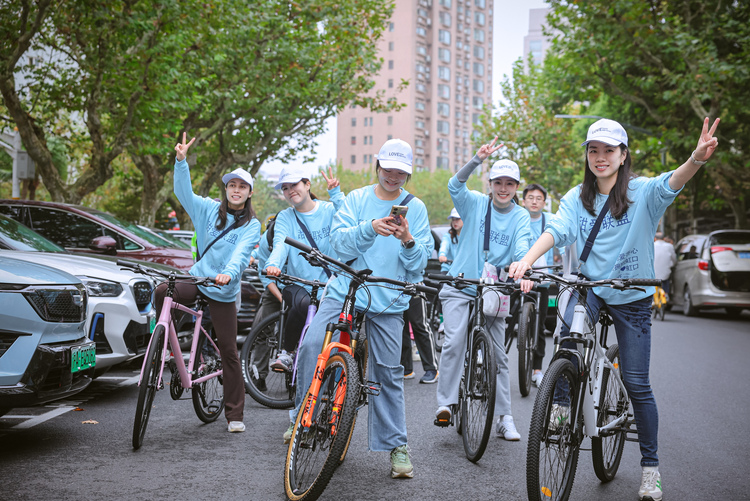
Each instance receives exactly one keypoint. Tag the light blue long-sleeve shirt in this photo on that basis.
(623, 248)
(318, 223)
(228, 256)
(447, 250)
(510, 233)
(536, 232)
(353, 237)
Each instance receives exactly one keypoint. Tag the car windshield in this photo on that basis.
(24, 238)
(730, 238)
(131, 227)
(166, 239)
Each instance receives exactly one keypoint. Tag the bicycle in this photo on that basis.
(577, 400)
(435, 317)
(264, 344)
(325, 423)
(659, 303)
(203, 372)
(475, 410)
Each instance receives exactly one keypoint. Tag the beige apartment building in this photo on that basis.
(443, 48)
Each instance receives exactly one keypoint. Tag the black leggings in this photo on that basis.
(297, 299)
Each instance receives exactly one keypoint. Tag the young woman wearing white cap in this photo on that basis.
(226, 258)
(364, 231)
(449, 242)
(509, 240)
(307, 218)
(636, 205)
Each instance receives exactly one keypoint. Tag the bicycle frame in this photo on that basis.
(171, 340)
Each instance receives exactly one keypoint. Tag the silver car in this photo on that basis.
(712, 271)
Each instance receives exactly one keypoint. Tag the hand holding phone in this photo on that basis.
(397, 212)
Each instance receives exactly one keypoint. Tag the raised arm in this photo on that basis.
(707, 144)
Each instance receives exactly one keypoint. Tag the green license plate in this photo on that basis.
(82, 358)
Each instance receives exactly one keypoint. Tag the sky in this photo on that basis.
(511, 24)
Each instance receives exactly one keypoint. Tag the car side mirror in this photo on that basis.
(104, 245)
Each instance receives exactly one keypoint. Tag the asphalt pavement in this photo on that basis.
(81, 447)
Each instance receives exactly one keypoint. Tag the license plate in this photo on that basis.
(744, 255)
(82, 358)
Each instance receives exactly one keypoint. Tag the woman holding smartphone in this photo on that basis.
(364, 231)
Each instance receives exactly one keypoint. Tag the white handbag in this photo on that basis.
(495, 303)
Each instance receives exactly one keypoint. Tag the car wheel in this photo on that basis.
(687, 305)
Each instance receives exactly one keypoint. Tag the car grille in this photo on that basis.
(142, 293)
(58, 304)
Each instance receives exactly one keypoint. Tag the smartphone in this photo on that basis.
(399, 211)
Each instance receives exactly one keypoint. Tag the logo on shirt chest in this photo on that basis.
(587, 223)
(495, 236)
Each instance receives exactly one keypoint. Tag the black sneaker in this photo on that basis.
(260, 384)
(429, 377)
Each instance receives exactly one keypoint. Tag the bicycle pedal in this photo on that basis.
(443, 423)
(371, 388)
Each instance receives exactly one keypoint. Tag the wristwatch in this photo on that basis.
(408, 244)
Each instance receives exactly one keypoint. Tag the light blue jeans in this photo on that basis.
(632, 322)
(387, 411)
(456, 317)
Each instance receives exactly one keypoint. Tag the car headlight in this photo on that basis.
(101, 288)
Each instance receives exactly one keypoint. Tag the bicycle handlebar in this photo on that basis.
(508, 286)
(291, 279)
(146, 270)
(615, 283)
(361, 275)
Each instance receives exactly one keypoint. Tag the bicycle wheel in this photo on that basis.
(527, 332)
(360, 356)
(208, 396)
(552, 454)
(478, 406)
(606, 450)
(267, 387)
(314, 452)
(149, 385)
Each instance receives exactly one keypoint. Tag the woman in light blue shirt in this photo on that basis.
(624, 248)
(449, 242)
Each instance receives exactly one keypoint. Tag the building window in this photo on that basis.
(478, 35)
(444, 55)
(421, 88)
(475, 118)
(354, 140)
(390, 120)
(390, 136)
(390, 64)
(479, 18)
(354, 122)
(444, 73)
(419, 143)
(419, 105)
(480, 3)
(444, 36)
(477, 102)
(367, 159)
(390, 26)
(390, 46)
(445, 19)
(442, 163)
(478, 85)
(479, 52)
(443, 144)
(420, 124)
(479, 69)
(354, 159)
(421, 31)
(390, 83)
(535, 46)
(421, 50)
(443, 127)
(446, 3)
(422, 12)
(444, 91)
(444, 109)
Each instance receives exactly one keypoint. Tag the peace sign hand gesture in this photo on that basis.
(488, 149)
(182, 149)
(332, 181)
(707, 143)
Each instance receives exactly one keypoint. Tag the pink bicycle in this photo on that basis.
(203, 372)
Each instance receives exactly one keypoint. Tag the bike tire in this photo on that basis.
(478, 405)
(314, 454)
(552, 454)
(279, 390)
(360, 356)
(606, 451)
(149, 384)
(527, 332)
(208, 396)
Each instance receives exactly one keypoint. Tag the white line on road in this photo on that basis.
(35, 420)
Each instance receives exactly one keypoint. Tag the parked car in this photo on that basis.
(119, 306)
(712, 271)
(168, 239)
(44, 352)
(184, 235)
(83, 230)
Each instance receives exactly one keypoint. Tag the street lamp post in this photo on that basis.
(23, 165)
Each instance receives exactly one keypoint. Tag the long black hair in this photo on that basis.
(246, 214)
(619, 201)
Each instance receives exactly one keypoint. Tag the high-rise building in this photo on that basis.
(443, 48)
(535, 43)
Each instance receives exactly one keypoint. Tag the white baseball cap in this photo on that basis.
(238, 173)
(454, 214)
(396, 154)
(291, 175)
(507, 168)
(608, 132)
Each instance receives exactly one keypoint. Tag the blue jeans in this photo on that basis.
(632, 322)
(387, 411)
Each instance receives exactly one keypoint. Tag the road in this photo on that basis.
(81, 447)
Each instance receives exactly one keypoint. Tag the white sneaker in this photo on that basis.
(536, 378)
(443, 416)
(506, 429)
(236, 427)
(650, 484)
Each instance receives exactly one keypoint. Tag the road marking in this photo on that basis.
(36, 420)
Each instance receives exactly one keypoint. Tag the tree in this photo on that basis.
(666, 65)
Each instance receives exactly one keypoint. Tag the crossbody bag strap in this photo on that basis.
(198, 254)
(487, 225)
(590, 241)
(310, 239)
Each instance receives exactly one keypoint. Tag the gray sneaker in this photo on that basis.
(400, 463)
(650, 484)
(288, 433)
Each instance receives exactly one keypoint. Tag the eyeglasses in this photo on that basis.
(534, 199)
